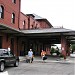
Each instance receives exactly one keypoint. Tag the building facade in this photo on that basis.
(9, 17)
(24, 31)
(10, 12)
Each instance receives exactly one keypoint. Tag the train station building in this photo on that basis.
(23, 31)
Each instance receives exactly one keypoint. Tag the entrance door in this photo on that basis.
(0, 42)
(23, 50)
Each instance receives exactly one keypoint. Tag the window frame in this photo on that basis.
(1, 12)
(14, 1)
(13, 18)
(24, 23)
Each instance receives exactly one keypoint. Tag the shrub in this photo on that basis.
(52, 51)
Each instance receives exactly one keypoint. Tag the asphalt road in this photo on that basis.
(39, 68)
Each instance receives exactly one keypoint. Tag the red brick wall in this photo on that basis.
(10, 8)
(5, 40)
(33, 23)
(43, 24)
(37, 24)
(22, 18)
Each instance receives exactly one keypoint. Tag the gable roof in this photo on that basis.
(38, 18)
(30, 15)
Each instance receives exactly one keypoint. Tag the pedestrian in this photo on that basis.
(30, 54)
(43, 55)
(9, 49)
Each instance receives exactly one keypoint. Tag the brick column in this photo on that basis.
(68, 49)
(63, 46)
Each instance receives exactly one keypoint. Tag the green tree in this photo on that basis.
(73, 47)
(52, 50)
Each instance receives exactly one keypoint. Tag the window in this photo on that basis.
(24, 24)
(36, 26)
(13, 18)
(14, 1)
(32, 27)
(1, 12)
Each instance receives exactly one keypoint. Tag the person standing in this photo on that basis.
(43, 53)
(9, 50)
(30, 54)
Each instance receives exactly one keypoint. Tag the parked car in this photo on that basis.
(72, 55)
(7, 58)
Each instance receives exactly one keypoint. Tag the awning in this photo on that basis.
(48, 33)
(10, 30)
(52, 34)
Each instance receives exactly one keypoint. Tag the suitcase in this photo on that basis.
(44, 58)
(27, 60)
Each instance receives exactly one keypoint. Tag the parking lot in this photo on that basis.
(52, 66)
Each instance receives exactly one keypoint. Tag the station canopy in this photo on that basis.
(46, 34)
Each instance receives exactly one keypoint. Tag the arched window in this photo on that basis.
(13, 18)
(24, 24)
(1, 11)
(14, 1)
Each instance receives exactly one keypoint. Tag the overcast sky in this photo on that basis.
(57, 12)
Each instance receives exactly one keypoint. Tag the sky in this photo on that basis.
(57, 12)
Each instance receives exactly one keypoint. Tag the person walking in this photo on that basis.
(30, 54)
(43, 55)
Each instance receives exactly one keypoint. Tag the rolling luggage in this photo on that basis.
(27, 59)
(44, 58)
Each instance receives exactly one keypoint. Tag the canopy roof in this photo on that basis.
(10, 30)
(48, 33)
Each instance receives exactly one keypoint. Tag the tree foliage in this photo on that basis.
(73, 47)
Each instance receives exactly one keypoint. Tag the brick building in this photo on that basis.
(9, 18)
(24, 31)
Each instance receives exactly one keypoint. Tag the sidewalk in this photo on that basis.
(51, 59)
(22, 58)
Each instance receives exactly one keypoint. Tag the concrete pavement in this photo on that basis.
(51, 59)
(52, 66)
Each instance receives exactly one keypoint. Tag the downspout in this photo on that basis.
(28, 22)
(19, 14)
(18, 25)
